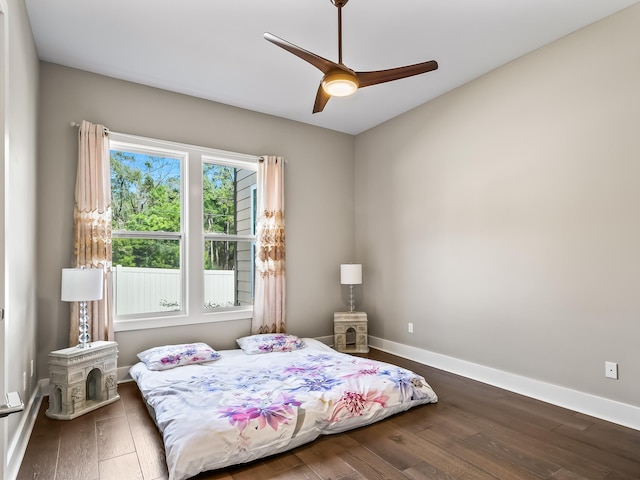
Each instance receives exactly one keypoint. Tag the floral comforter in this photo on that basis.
(244, 407)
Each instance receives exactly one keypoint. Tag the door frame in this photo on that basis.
(3, 179)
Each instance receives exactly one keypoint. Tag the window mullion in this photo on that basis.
(195, 248)
(150, 235)
(217, 237)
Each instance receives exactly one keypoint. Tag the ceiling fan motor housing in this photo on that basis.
(340, 83)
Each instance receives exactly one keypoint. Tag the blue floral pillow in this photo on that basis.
(270, 342)
(169, 356)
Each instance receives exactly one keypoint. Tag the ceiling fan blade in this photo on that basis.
(317, 61)
(322, 98)
(367, 79)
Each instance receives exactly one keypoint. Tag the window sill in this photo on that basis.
(181, 320)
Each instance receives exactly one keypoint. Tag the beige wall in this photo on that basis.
(318, 192)
(508, 231)
(20, 67)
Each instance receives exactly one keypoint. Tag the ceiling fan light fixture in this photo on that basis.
(339, 80)
(340, 84)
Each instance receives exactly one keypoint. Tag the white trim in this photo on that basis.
(122, 374)
(236, 313)
(603, 408)
(213, 155)
(156, 149)
(18, 447)
(327, 340)
(6, 469)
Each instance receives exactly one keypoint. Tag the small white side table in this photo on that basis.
(350, 332)
(82, 379)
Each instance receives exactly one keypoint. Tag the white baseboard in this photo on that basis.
(327, 340)
(18, 446)
(599, 407)
(122, 374)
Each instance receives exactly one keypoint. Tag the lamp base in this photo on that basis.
(84, 338)
(352, 307)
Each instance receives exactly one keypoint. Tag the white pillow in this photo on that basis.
(170, 356)
(269, 342)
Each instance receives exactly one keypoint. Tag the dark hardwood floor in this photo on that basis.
(475, 431)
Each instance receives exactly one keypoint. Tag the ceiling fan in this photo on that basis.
(338, 79)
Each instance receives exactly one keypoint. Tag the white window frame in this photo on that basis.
(221, 237)
(192, 235)
(254, 222)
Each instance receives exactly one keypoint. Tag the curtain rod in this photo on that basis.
(261, 159)
(76, 124)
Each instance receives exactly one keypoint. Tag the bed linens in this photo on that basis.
(243, 407)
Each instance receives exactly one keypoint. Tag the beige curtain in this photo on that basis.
(92, 226)
(269, 298)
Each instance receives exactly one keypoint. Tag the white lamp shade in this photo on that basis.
(350, 274)
(81, 284)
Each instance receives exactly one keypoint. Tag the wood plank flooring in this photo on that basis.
(475, 431)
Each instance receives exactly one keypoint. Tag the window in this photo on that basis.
(182, 233)
(147, 233)
(229, 233)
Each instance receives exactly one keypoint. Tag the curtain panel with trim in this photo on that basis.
(269, 300)
(92, 226)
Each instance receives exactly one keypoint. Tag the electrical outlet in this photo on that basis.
(611, 370)
(410, 327)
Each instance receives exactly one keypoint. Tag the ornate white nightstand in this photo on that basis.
(82, 379)
(350, 332)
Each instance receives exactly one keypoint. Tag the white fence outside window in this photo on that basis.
(146, 290)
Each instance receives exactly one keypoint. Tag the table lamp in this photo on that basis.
(82, 285)
(351, 274)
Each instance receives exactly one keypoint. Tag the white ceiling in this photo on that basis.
(214, 49)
